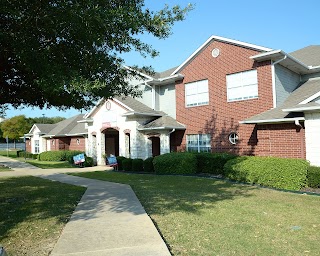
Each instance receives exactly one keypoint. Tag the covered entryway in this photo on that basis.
(111, 142)
(155, 146)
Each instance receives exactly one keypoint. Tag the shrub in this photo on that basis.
(27, 155)
(88, 162)
(61, 155)
(212, 162)
(137, 165)
(148, 165)
(175, 163)
(282, 173)
(127, 164)
(120, 160)
(313, 177)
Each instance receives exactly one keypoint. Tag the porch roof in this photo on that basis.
(162, 123)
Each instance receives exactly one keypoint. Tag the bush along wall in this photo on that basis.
(212, 162)
(27, 155)
(119, 161)
(313, 177)
(282, 173)
(137, 165)
(148, 165)
(127, 164)
(61, 155)
(175, 163)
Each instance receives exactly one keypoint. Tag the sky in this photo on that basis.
(286, 25)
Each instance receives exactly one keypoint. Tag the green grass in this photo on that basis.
(199, 216)
(50, 164)
(4, 168)
(33, 213)
(10, 153)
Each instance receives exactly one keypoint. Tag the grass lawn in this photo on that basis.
(199, 216)
(33, 213)
(50, 164)
(10, 153)
(4, 168)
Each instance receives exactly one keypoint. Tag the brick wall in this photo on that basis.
(28, 145)
(74, 143)
(220, 117)
(282, 140)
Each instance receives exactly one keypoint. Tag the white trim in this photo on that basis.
(85, 121)
(162, 128)
(140, 73)
(222, 39)
(141, 114)
(94, 108)
(301, 109)
(280, 120)
(274, 94)
(314, 96)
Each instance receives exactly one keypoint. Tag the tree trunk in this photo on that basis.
(14, 143)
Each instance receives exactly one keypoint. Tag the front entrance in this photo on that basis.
(155, 146)
(111, 142)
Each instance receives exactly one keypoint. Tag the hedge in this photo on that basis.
(127, 164)
(61, 155)
(137, 165)
(212, 162)
(88, 162)
(282, 173)
(175, 163)
(313, 177)
(148, 165)
(27, 155)
(120, 160)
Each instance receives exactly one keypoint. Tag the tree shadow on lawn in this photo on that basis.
(164, 194)
(31, 199)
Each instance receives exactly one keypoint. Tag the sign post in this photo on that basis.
(25, 148)
(7, 140)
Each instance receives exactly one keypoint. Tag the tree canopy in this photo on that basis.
(66, 53)
(15, 127)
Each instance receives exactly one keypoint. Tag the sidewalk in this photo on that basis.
(109, 219)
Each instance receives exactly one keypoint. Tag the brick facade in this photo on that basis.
(67, 143)
(221, 117)
(28, 145)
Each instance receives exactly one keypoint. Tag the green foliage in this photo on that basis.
(148, 165)
(15, 127)
(120, 160)
(61, 155)
(175, 163)
(282, 173)
(127, 164)
(27, 155)
(313, 177)
(137, 165)
(88, 162)
(68, 53)
(212, 162)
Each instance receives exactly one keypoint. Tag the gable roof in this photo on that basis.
(68, 127)
(220, 39)
(309, 55)
(44, 128)
(303, 92)
(136, 107)
(164, 122)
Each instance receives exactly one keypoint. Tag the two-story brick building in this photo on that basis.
(228, 96)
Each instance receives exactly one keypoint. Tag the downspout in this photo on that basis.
(274, 80)
(173, 130)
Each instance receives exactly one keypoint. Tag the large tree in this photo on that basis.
(15, 127)
(65, 53)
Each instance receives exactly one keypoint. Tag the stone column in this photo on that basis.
(164, 144)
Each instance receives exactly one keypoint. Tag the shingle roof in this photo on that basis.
(137, 106)
(69, 126)
(45, 128)
(309, 55)
(303, 92)
(164, 122)
(165, 73)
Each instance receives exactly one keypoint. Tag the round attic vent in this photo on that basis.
(215, 52)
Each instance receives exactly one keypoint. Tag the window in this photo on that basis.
(198, 143)
(36, 147)
(233, 138)
(78, 141)
(242, 86)
(196, 93)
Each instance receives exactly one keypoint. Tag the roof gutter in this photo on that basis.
(272, 121)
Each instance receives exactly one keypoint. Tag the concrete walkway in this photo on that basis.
(109, 219)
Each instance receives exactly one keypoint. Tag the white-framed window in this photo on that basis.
(199, 143)
(36, 147)
(78, 141)
(197, 93)
(242, 86)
